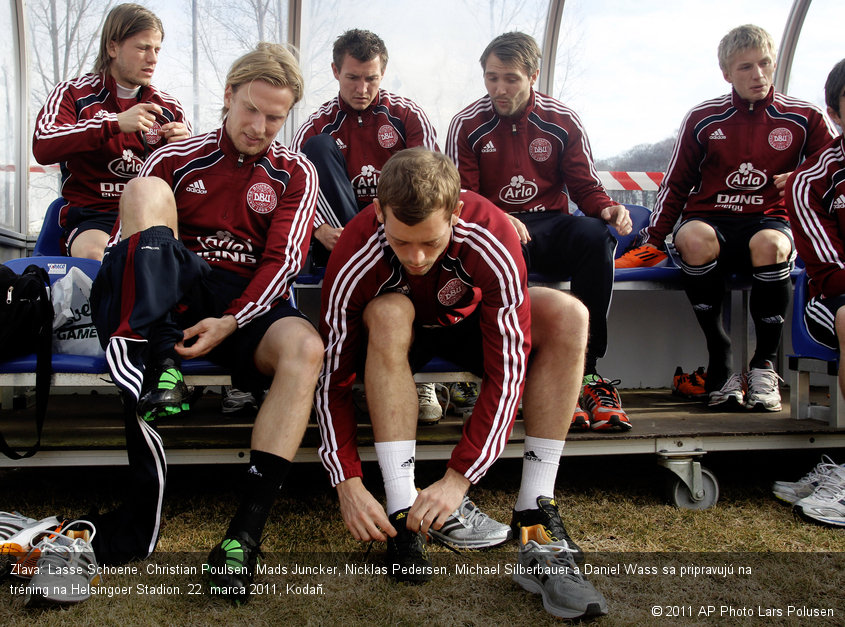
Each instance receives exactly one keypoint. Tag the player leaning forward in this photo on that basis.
(213, 233)
(428, 270)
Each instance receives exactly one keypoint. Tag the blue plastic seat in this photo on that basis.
(803, 345)
(49, 238)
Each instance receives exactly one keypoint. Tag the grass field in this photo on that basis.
(765, 559)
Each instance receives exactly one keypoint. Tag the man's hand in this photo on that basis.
(209, 333)
(174, 131)
(141, 117)
(521, 229)
(437, 502)
(327, 235)
(618, 217)
(780, 182)
(364, 516)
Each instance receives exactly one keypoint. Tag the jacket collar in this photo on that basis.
(224, 142)
(344, 106)
(745, 105)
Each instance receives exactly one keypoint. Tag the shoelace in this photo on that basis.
(822, 470)
(474, 514)
(763, 380)
(559, 556)
(831, 488)
(606, 392)
(734, 383)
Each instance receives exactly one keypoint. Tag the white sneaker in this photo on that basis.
(470, 528)
(794, 491)
(827, 502)
(430, 410)
(17, 536)
(763, 391)
(66, 569)
(731, 394)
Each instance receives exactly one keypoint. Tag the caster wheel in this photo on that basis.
(679, 494)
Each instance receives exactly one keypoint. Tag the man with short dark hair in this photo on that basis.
(725, 185)
(212, 235)
(349, 139)
(102, 126)
(528, 154)
(431, 270)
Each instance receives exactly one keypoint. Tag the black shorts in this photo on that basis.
(78, 220)
(459, 343)
(820, 317)
(236, 352)
(734, 234)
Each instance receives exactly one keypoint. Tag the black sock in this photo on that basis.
(705, 289)
(258, 493)
(770, 287)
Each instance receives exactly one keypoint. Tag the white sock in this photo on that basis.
(396, 460)
(540, 462)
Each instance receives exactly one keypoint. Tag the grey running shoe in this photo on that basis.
(237, 401)
(470, 528)
(731, 395)
(826, 505)
(66, 569)
(763, 392)
(794, 491)
(430, 410)
(549, 570)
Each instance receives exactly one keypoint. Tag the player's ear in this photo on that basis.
(379, 212)
(456, 212)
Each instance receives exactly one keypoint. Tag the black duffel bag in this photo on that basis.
(26, 326)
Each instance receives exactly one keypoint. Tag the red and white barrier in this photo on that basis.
(37, 169)
(620, 181)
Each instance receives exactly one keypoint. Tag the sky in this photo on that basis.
(633, 69)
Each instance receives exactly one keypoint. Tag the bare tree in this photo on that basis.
(65, 35)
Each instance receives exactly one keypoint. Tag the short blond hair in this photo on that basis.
(416, 182)
(272, 63)
(745, 37)
(122, 22)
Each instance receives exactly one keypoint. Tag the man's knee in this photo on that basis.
(769, 246)
(90, 244)
(292, 340)
(559, 318)
(697, 243)
(146, 202)
(388, 319)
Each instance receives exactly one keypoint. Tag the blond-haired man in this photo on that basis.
(216, 229)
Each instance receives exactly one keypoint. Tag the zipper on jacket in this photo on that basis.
(516, 151)
(240, 160)
(360, 120)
